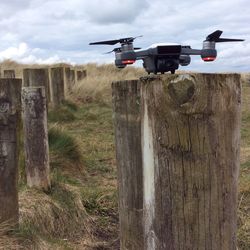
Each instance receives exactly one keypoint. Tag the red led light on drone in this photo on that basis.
(128, 61)
(209, 58)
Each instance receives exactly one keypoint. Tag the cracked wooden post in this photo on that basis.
(10, 116)
(57, 86)
(33, 77)
(127, 121)
(190, 127)
(9, 73)
(36, 137)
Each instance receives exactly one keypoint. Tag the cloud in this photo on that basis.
(62, 29)
(14, 52)
(23, 54)
(115, 11)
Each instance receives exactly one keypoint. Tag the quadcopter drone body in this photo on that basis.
(161, 58)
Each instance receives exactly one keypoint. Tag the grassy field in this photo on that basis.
(80, 211)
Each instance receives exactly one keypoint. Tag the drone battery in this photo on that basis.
(169, 50)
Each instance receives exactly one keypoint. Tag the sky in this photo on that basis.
(50, 31)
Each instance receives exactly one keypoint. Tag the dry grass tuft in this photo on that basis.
(7, 240)
(58, 214)
(96, 87)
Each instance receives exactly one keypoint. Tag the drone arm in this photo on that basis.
(189, 51)
(142, 54)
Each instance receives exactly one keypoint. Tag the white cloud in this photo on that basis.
(61, 29)
(14, 52)
(115, 11)
(23, 54)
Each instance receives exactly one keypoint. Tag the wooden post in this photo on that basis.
(67, 81)
(127, 120)
(84, 72)
(190, 126)
(72, 77)
(36, 78)
(81, 74)
(9, 73)
(10, 114)
(36, 137)
(57, 86)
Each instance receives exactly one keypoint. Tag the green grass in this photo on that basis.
(99, 200)
(64, 113)
(94, 130)
(63, 196)
(70, 105)
(63, 146)
(30, 238)
(58, 176)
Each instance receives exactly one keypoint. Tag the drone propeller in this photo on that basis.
(118, 50)
(215, 37)
(114, 50)
(127, 40)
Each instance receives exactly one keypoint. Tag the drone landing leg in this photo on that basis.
(172, 71)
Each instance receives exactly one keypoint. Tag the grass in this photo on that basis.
(54, 216)
(96, 87)
(83, 193)
(63, 147)
(63, 113)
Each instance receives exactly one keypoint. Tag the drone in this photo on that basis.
(161, 58)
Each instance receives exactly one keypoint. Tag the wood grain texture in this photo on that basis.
(10, 114)
(36, 137)
(126, 105)
(57, 86)
(67, 82)
(195, 123)
(186, 163)
(37, 78)
(72, 77)
(9, 73)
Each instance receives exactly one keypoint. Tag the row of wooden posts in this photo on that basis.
(58, 81)
(177, 148)
(28, 98)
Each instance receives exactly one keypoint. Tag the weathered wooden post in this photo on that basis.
(81, 74)
(190, 126)
(36, 77)
(36, 137)
(67, 80)
(9, 73)
(10, 116)
(126, 104)
(84, 73)
(72, 77)
(57, 86)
